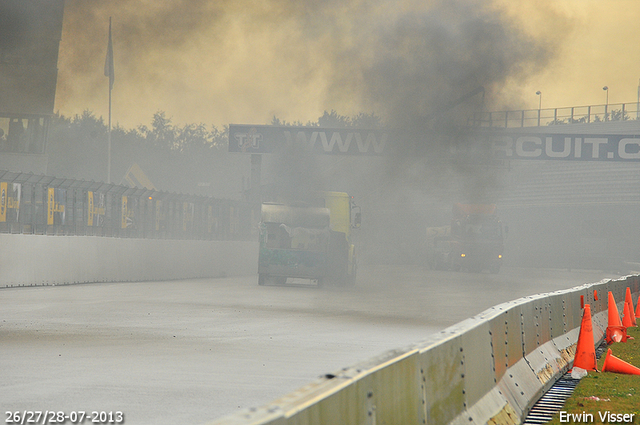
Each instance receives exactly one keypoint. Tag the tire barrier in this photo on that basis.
(489, 369)
(106, 233)
(46, 205)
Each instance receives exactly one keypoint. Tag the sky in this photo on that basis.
(246, 61)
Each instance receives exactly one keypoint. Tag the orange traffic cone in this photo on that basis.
(626, 317)
(638, 309)
(614, 364)
(585, 350)
(629, 301)
(615, 331)
(626, 321)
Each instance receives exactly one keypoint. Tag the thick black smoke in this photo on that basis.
(399, 59)
(237, 61)
(410, 64)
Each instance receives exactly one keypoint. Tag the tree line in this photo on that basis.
(177, 158)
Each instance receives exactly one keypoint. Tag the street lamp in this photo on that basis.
(539, 93)
(606, 105)
(638, 104)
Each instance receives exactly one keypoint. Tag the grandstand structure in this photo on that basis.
(538, 182)
(580, 213)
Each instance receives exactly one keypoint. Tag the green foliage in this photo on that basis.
(277, 121)
(334, 120)
(174, 157)
(167, 153)
(612, 115)
(189, 138)
(618, 115)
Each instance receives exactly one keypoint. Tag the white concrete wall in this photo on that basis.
(47, 260)
(488, 369)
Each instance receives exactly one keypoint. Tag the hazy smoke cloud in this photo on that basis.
(239, 61)
(224, 61)
(229, 61)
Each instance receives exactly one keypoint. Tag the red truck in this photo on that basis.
(473, 242)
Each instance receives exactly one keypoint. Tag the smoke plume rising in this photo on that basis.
(225, 61)
(229, 61)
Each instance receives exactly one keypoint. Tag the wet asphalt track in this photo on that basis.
(194, 350)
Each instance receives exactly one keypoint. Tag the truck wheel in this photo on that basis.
(262, 278)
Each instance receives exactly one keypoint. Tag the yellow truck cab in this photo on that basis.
(341, 207)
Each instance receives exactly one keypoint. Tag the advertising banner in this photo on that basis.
(159, 215)
(566, 147)
(55, 206)
(3, 201)
(333, 141)
(128, 212)
(187, 215)
(95, 209)
(212, 220)
(501, 144)
(14, 191)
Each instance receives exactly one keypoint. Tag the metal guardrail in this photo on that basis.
(39, 204)
(556, 116)
(489, 369)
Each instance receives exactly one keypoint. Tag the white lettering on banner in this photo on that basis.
(336, 138)
(524, 146)
(301, 138)
(328, 145)
(529, 153)
(565, 152)
(622, 148)
(240, 138)
(371, 140)
(566, 147)
(248, 140)
(595, 143)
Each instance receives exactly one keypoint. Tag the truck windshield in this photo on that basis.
(278, 235)
(483, 229)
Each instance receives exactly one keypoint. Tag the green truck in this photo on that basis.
(309, 240)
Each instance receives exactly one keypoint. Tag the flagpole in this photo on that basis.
(109, 134)
(109, 72)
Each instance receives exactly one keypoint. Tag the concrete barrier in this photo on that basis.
(51, 260)
(489, 369)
